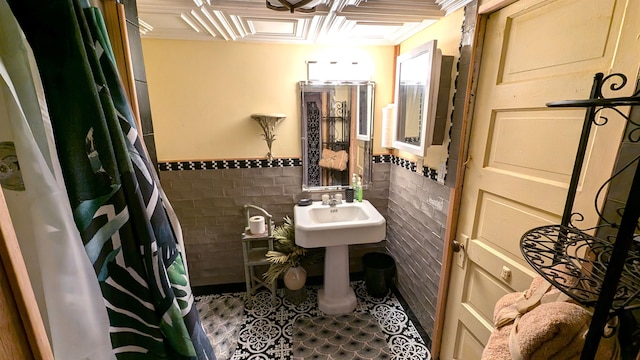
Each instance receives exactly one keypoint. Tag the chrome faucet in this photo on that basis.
(332, 200)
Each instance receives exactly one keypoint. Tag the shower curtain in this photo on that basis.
(117, 204)
(68, 295)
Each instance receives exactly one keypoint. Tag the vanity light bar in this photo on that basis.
(336, 82)
(351, 71)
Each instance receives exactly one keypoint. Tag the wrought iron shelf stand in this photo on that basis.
(599, 273)
(338, 124)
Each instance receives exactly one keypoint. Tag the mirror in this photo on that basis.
(365, 112)
(417, 78)
(337, 127)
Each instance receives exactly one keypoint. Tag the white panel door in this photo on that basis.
(522, 153)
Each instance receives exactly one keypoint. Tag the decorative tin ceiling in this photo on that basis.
(355, 22)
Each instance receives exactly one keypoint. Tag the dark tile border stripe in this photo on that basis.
(406, 164)
(430, 173)
(378, 159)
(284, 162)
(228, 164)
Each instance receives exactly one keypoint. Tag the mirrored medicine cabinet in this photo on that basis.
(423, 83)
(337, 129)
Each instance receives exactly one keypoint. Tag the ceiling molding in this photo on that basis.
(450, 6)
(355, 22)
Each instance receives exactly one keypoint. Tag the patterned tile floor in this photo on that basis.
(266, 332)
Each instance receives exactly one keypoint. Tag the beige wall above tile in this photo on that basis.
(203, 94)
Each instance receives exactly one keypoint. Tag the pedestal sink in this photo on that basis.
(336, 227)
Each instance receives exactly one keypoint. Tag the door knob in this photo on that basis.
(456, 246)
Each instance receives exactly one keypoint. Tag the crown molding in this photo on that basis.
(355, 22)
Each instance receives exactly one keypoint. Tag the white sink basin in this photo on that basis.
(320, 225)
(337, 227)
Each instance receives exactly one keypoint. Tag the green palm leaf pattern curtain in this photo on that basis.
(116, 202)
(61, 275)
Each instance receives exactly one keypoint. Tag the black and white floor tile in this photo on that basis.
(353, 336)
(266, 330)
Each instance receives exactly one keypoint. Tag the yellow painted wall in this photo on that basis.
(448, 34)
(203, 93)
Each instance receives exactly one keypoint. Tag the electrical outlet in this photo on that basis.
(461, 255)
(505, 274)
(438, 203)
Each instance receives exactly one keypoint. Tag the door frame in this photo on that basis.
(24, 330)
(455, 194)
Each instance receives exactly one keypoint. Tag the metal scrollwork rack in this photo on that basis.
(338, 123)
(602, 273)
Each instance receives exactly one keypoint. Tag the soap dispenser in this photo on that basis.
(359, 190)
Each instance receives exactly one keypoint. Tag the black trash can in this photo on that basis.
(379, 273)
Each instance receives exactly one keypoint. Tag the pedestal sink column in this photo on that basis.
(337, 296)
(335, 227)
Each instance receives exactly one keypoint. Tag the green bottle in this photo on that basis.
(359, 191)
